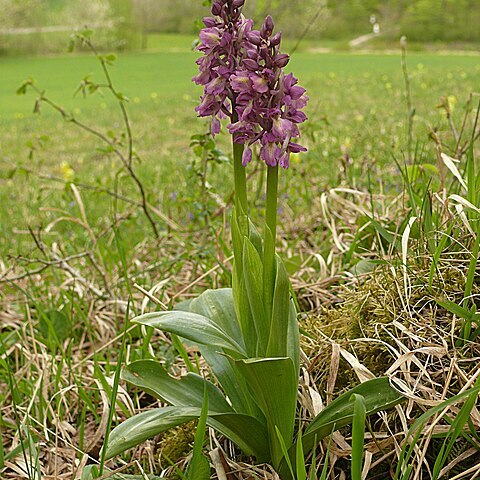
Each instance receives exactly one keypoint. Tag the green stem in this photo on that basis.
(240, 177)
(272, 195)
(269, 264)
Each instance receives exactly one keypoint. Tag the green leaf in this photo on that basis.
(90, 472)
(244, 313)
(237, 241)
(231, 381)
(293, 338)
(55, 326)
(255, 237)
(358, 435)
(253, 274)
(218, 306)
(199, 468)
(378, 396)
(300, 459)
(110, 58)
(273, 384)
(194, 327)
(186, 391)
(247, 432)
(278, 341)
(284, 449)
(453, 434)
(146, 425)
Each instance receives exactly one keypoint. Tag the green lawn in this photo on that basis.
(357, 109)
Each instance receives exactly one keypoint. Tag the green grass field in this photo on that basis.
(75, 244)
(357, 108)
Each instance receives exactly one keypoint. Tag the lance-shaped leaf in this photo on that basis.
(378, 395)
(218, 306)
(199, 467)
(293, 338)
(253, 274)
(247, 432)
(273, 384)
(244, 313)
(232, 382)
(242, 306)
(197, 328)
(187, 391)
(146, 425)
(278, 341)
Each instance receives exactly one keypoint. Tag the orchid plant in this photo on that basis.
(247, 334)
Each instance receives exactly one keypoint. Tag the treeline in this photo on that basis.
(127, 23)
(420, 20)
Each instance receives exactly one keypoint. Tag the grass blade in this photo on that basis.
(358, 435)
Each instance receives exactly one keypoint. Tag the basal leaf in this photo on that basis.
(378, 395)
(247, 432)
(146, 425)
(186, 391)
(218, 306)
(273, 384)
(193, 327)
(232, 382)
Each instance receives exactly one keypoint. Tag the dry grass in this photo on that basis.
(358, 327)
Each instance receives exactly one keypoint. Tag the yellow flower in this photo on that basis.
(68, 173)
(452, 101)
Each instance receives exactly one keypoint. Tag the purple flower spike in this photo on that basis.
(243, 78)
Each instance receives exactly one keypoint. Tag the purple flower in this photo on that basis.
(241, 83)
(247, 156)
(243, 78)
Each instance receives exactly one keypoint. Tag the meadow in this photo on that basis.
(75, 243)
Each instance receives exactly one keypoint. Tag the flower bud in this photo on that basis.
(254, 37)
(238, 3)
(267, 27)
(209, 22)
(217, 7)
(276, 39)
(250, 64)
(281, 60)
